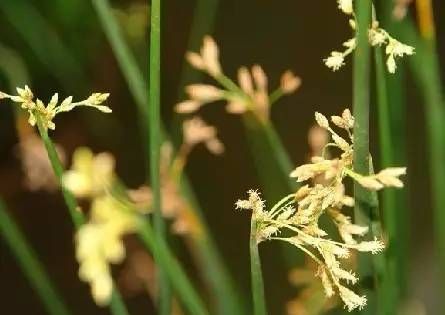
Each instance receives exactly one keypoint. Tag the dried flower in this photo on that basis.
(289, 82)
(250, 94)
(37, 109)
(197, 131)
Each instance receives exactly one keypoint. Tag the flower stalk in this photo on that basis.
(361, 97)
(154, 126)
(117, 305)
(425, 67)
(207, 255)
(394, 254)
(259, 300)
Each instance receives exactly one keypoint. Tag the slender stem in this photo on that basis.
(135, 79)
(209, 258)
(30, 264)
(154, 125)
(396, 110)
(425, 67)
(75, 213)
(394, 253)
(259, 301)
(361, 96)
(178, 278)
(117, 305)
(273, 167)
(203, 23)
(275, 96)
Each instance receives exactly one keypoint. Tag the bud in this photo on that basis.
(289, 82)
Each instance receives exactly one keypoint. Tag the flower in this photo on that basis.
(197, 131)
(346, 6)
(396, 49)
(37, 109)
(89, 174)
(249, 94)
(289, 82)
(297, 215)
(99, 243)
(335, 61)
(376, 36)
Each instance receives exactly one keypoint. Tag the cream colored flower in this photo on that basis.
(37, 109)
(335, 61)
(396, 49)
(376, 36)
(295, 218)
(346, 6)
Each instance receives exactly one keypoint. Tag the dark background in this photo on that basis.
(77, 59)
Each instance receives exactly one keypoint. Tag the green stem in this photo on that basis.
(425, 67)
(209, 259)
(203, 24)
(273, 167)
(259, 301)
(135, 80)
(400, 208)
(154, 125)
(394, 252)
(30, 265)
(75, 213)
(117, 305)
(178, 278)
(361, 96)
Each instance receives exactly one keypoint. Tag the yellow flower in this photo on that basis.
(99, 243)
(89, 174)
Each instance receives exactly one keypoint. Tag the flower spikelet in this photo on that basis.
(46, 113)
(377, 37)
(249, 94)
(298, 214)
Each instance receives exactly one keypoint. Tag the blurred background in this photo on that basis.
(60, 46)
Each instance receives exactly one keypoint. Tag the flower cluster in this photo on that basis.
(250, 94)
(299, 213)
(377, 37)
(174, 206)
(46, 113)
(99, 242)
